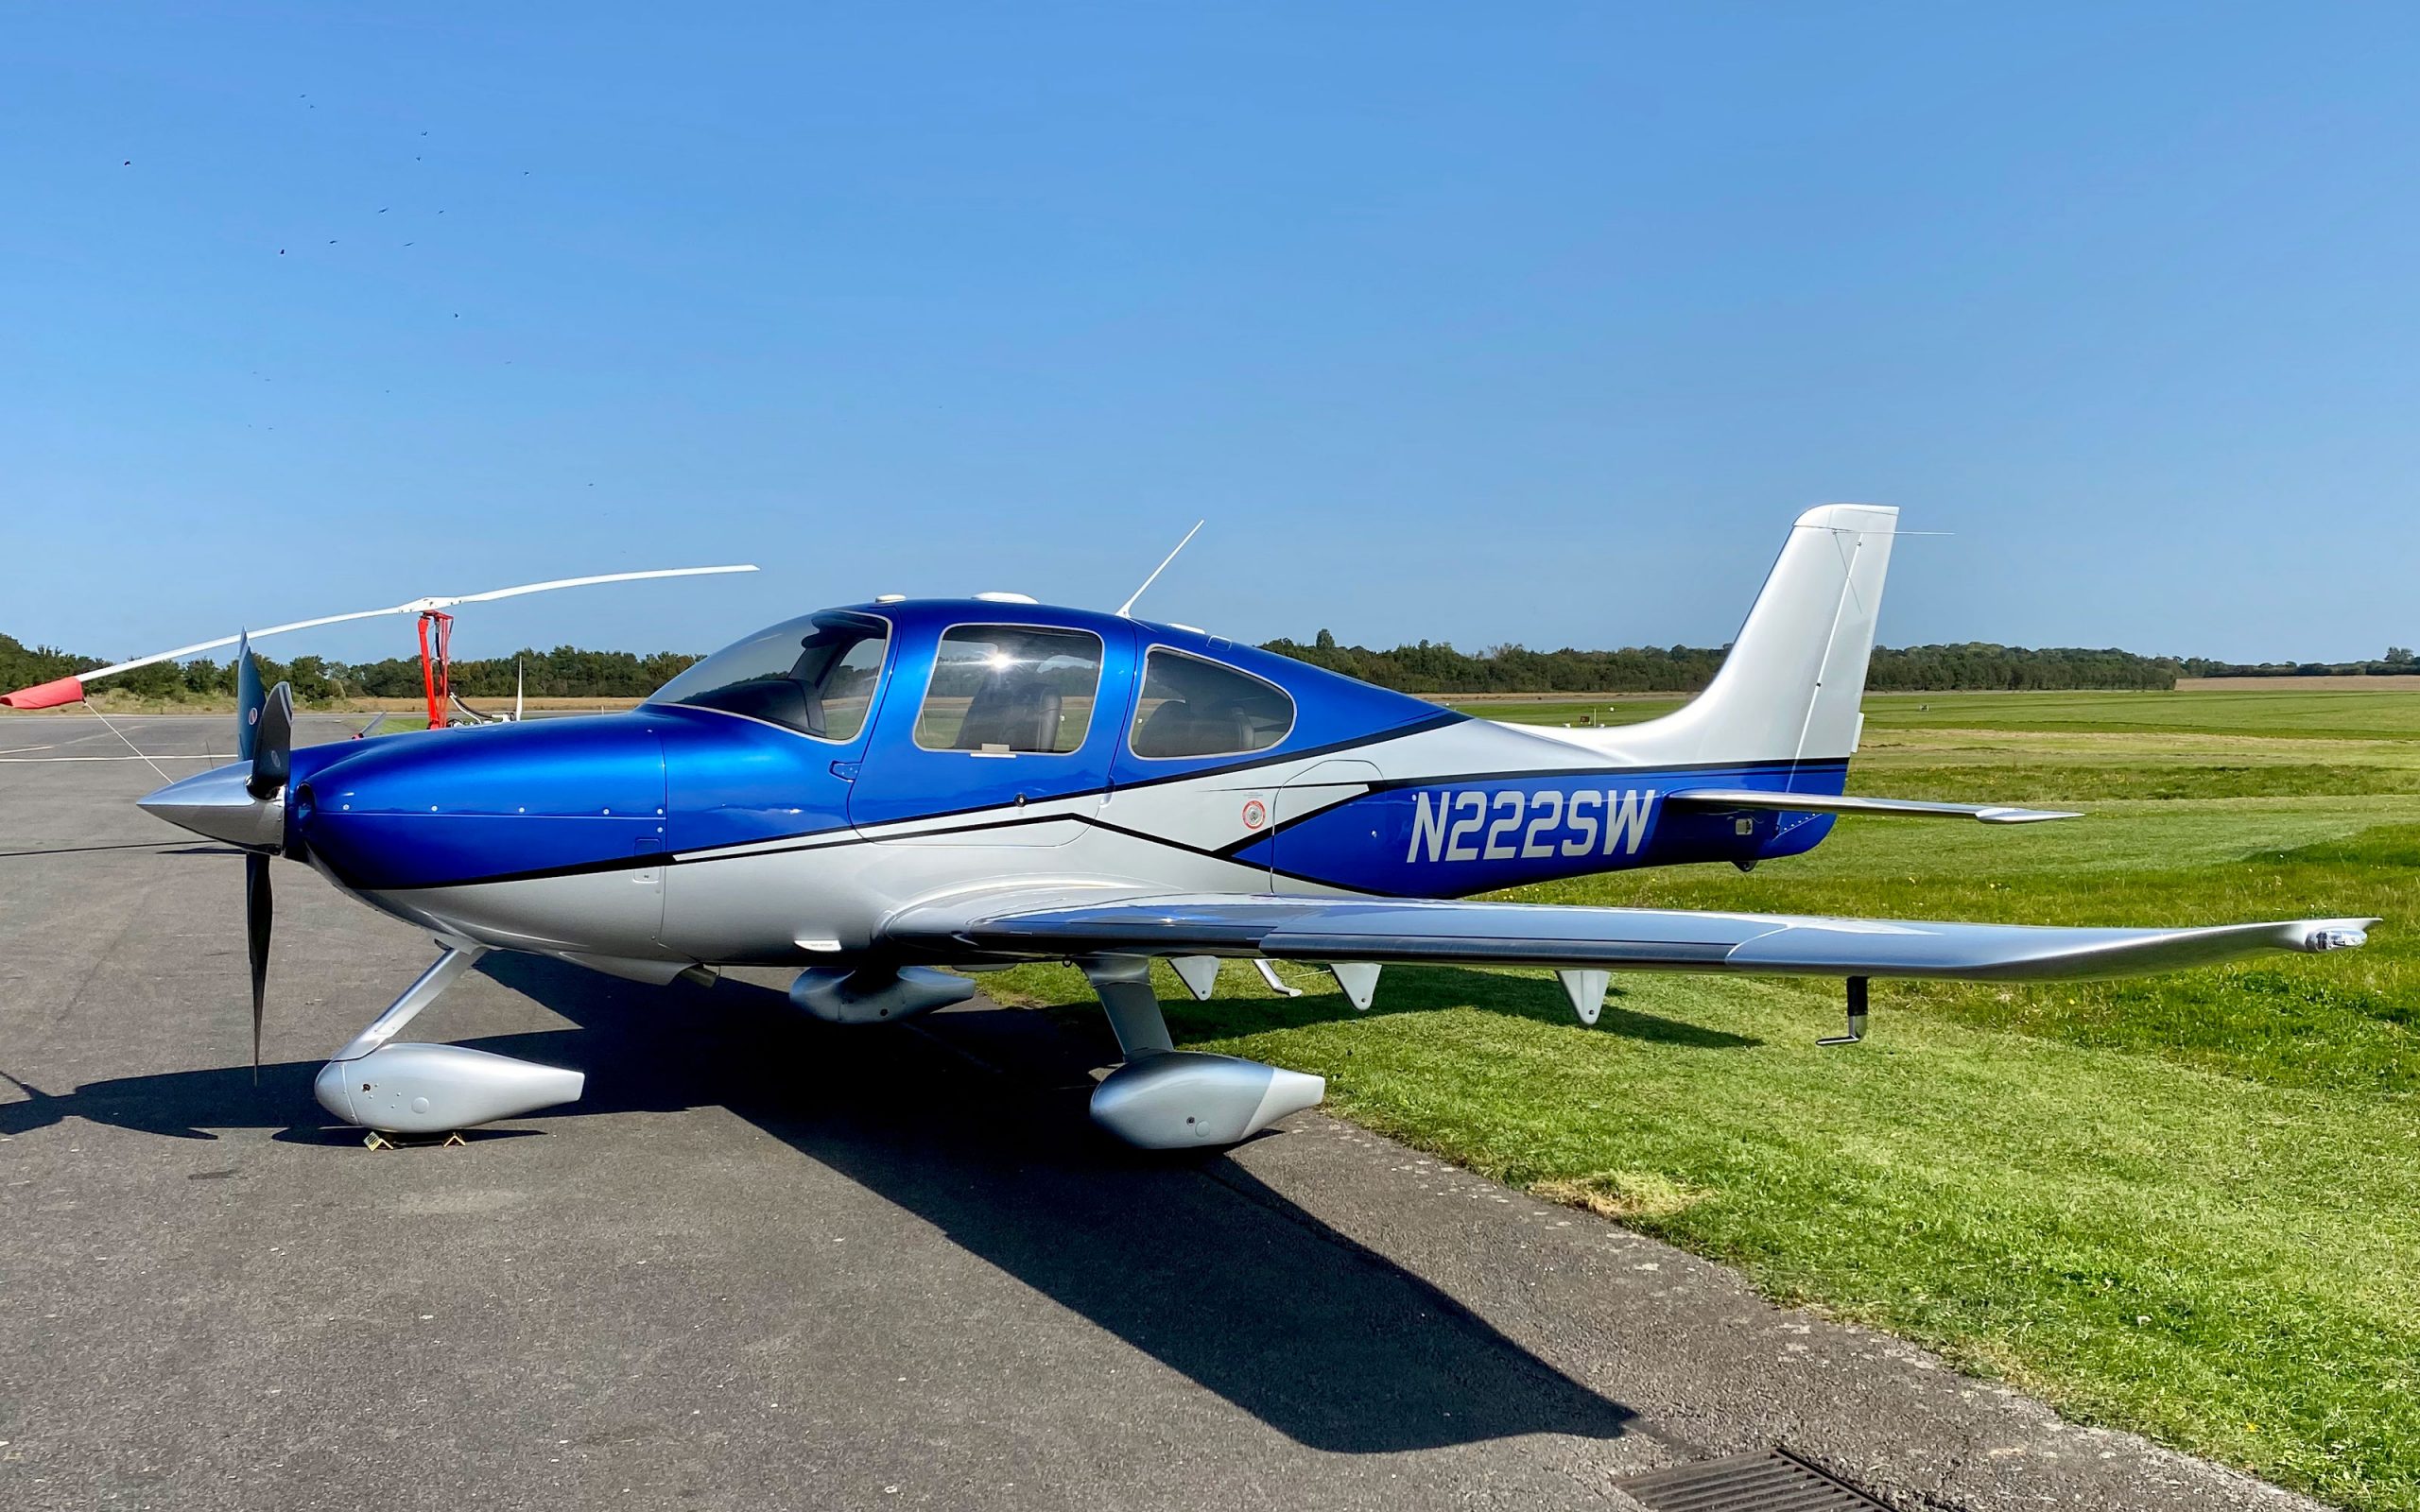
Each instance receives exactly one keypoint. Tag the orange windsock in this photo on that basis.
(45, 695)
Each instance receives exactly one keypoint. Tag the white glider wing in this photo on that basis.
(1032, 924)
(70, 689)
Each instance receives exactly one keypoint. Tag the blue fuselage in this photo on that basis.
(672, 786)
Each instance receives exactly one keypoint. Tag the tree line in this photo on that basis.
(1427, 667)
(566, 672)
(2399, 662)
(1434, 668)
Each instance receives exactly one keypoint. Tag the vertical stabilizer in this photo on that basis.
(1791, 686)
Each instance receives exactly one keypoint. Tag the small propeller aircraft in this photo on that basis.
(871, 793)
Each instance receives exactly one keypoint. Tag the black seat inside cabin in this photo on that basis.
(780, 700)
(1181, 728)
(1015, 711)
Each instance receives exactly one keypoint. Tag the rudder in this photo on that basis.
(1792, 685)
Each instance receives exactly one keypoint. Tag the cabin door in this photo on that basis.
(1007, 742)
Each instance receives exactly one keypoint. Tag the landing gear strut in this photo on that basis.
(1168, 1099)
(1856, 1015)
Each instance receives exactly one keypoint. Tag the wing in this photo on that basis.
(1045, 926)
(1725, 798)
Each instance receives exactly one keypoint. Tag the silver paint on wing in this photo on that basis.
(1483, 934)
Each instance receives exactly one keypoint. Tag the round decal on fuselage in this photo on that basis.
(1255, 814)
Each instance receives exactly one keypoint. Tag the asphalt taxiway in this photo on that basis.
(770, 1262)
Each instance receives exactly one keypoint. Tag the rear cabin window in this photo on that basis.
(998, 690)
(1195, 707)
(816, 675)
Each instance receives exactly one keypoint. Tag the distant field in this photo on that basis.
(2391, 683)
(2262, 711)
(2189, 1206)
(2264, 714)
(1627, 709)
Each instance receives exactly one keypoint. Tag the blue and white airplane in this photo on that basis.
(871, 793)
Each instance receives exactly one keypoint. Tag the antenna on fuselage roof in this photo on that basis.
(1122, 609)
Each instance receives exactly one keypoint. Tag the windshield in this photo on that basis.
(815, 674)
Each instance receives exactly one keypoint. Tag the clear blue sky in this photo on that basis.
(1510, 323)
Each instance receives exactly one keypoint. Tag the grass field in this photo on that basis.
(2189, 1206)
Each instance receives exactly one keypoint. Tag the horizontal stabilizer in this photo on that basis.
(1376, 931)
(1744, 797)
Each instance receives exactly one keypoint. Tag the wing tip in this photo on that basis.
(2318, 936)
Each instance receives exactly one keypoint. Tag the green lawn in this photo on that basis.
(1623, 710)
(2186, 1205)
(2326, 715)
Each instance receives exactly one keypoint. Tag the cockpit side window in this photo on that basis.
(998, 690)
(816, 675)
(1192, 706)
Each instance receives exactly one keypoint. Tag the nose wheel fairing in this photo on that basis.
(424, 1089)
(375, 1084)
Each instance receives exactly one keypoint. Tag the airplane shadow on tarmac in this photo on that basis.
(977, 1124)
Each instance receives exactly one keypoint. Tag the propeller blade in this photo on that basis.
(257, 909)
(265, 737)
(249, 698)
(272, 743)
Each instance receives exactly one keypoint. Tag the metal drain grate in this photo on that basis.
(1770, 1482)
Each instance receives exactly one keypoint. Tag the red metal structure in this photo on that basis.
(436, 643)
